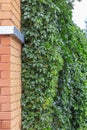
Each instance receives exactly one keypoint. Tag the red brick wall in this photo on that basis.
(10, 68)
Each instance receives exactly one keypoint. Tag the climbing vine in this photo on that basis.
(54, 68)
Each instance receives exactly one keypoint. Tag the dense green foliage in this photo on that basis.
(54, 68)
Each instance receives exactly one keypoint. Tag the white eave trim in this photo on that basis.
(12, 30)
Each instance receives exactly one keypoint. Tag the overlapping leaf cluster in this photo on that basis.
(54, 68)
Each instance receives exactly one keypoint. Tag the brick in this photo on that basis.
(0, 41)
(5, 74)
(13, 128)
(10, 68)
(15, 24)
(15, 75)
(4, 82)
(16, 60)
(5, 1)
(16, 120)
(16, 127)
(4, 50)
(15, 20)
(5, 15)
(15, 105)
(15, 97)
(4, 66)
(15, 44)
(0, 124)
(5, 91)
(0, 5)
(15, 113)
(6, 107)
(5, 115)
(15, 90)
(6, 124)
(3, 36)
(5, 58)
(4, 129)
(5, 41)
(16, 6)
(10, 7)
(15, 82)
(0, 22)
(6, 7)
(15, 13)
(0, 74)
(7, 23)
(15, 67)
(15, 52)
(4, 99)
(18, 2)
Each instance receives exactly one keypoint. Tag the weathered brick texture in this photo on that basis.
(10, 83)
(10, 13)
(10, 68)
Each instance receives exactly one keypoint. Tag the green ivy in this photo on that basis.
(54, 65)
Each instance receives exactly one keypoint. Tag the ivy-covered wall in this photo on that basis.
(54, 65)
